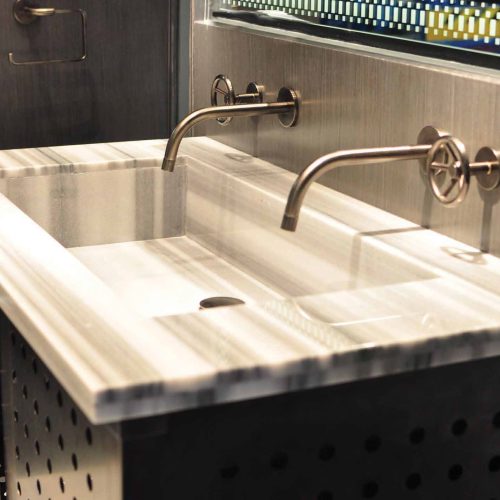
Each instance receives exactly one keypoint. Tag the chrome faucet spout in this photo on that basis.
(353, 157)
(212, 113)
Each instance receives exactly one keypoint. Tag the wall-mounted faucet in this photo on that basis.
(247, 104)
(443, 159)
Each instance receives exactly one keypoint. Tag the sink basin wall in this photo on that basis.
(106, 206)
(233, 210)
(237, 214)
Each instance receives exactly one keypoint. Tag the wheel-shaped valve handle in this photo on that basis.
(223, 88)
(448, 171)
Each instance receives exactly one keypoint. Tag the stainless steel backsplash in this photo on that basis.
(356, 97)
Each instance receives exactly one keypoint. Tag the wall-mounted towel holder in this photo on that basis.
(27, 14)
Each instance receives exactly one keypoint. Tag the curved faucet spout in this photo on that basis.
(268, 108)
(353, 157)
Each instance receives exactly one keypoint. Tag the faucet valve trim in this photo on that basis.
(249, 104)
(449, 171)
(443, 159)
(222, 87)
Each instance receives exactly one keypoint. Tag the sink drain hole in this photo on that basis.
(212, 302)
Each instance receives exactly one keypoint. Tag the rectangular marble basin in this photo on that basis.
(163, 242)
(104, 260)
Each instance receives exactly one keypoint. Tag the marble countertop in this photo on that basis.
(120, 363)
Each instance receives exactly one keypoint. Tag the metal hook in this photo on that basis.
(27, 14)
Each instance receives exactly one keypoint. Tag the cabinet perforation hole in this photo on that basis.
(34, 365)
(39, 486)
(459, 427)
(18, 453)
(49, 465)
(90, 483)
(62, 486)
(417, 435)
(373, 443)
(496, 420)
(455, 472)
(16, 416)
(46, 382)
(413, 481)
(279, 461)
(14, 376)
(229, 472)
(494, 465)
(60, 442)
(325, 495)
(74, 418)
(26, 431)
(74, 461)
(37, 448)
(28, 469)
(25, 392)
(48, 424)
(36, 407)
(326, 453)
(60, 401)
(88, 436)
(370, 489)
(19, 489)
(23, 351)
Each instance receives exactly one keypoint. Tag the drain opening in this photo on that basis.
(212, 302)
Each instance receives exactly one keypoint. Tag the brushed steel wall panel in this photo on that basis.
(358, 98)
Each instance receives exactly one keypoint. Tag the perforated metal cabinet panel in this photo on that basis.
(52, 451)
(431, 434)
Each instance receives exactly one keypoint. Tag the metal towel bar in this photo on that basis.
(27, 14)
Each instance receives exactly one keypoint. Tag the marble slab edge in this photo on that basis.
(349, 366)
(82, 159)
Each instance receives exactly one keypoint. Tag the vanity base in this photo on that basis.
(420, 435)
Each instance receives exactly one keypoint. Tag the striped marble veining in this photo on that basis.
(104, 258)
(81, 158)
(116, 200)
(169, 276)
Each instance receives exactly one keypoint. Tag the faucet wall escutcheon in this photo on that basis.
(249, 104)
(443, 159)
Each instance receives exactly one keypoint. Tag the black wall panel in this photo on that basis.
(125, 90)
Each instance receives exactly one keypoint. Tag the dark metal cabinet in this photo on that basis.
(427, 434)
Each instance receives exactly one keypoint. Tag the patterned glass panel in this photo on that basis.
(466, 26)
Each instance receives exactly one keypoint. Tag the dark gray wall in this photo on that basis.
(124, 91)
(184, 56)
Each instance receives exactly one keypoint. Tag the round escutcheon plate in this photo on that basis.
(488, 180)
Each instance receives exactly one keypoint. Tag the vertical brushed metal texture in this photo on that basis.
(125, 90)
(354, 99)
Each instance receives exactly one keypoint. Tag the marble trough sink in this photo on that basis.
(105, 258)
(165, 241)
